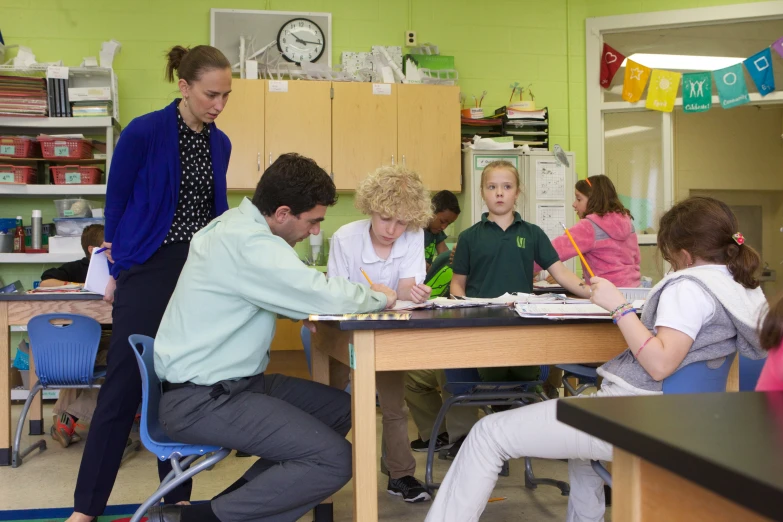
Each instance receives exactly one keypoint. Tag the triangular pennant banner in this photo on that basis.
(732, 90)
(759, 67)
(778, 46)
(696, 92)
(636, 76)
(663, 90)
(611, 61)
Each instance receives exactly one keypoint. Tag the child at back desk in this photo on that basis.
(446, 209)
(497, 254)
(75, 271)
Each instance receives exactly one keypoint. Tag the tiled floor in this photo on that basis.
(47, 479)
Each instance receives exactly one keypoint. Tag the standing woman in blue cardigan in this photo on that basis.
(168, 180)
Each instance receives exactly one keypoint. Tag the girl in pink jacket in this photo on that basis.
(604, 234)
(771, 337)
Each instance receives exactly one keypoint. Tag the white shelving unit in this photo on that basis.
(41, 258)
(51, 190)
(20, 394)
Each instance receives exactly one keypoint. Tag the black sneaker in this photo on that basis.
(410, 489)
(442, 442)
(455, 447)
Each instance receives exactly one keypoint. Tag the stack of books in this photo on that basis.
(82, 109)
(527, 127)
(22, 96)
(90, 101)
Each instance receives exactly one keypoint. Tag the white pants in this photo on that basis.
(530, 431)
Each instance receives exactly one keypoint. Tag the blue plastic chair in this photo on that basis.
(155, 439)
(64, 356)
(695, 378)
(586, 375)
(468, 389)
(749, 372)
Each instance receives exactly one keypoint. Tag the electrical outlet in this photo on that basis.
(410, 39)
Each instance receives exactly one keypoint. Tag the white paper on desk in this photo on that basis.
(567, 310)
(97, 274)
(410, 305)
(550, 180)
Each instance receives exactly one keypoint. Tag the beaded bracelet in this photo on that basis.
(619, 316)
(618, 312)
(618, 309)
(643, 345)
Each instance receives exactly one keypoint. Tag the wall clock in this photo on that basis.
(301, 39)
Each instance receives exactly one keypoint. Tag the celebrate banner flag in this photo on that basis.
(611, 61)
(778, 46)
(636, 76)
(759, 67)
(696, 92)
(732, 90)
(663, 90)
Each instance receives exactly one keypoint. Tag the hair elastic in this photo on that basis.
(588, 182)
(738, 238)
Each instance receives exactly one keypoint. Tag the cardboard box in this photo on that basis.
(76, 94)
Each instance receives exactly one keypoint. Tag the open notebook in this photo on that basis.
(567, 311)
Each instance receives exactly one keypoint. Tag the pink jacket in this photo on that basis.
(609, 245)
(771, 378)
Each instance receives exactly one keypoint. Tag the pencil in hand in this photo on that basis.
(568, 233)
(366, 276)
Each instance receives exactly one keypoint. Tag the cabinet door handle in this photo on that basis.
(258, 160)
(270, 159)
(392, 160)
(403, 160)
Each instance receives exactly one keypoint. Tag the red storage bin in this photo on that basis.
(54, 148)
(75, 175)
(17, 174)
(16, 147)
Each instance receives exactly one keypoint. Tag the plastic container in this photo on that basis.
(75, 175)
(70, 227)
(6, 243)
(57, 148)
(47, 231)
(632, 294)
(18, 147)
(17, 174)
(73, 208)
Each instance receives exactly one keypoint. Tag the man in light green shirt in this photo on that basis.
(213, 346)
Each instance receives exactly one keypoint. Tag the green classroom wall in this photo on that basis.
(494, 43)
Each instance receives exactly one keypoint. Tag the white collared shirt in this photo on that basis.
(352, 250)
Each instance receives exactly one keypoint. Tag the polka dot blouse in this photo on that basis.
(196, 187)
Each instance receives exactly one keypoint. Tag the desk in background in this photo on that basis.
(455, 338)
(711, 456)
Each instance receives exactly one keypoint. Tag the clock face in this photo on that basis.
(300, 40)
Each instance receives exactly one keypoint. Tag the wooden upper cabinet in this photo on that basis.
(299, 120)
(243, 122)
(364, 131)
(428, 134)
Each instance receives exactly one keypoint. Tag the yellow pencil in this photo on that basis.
(589, 270)
(497, 499)
(366, 277)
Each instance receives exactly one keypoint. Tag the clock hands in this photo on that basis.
(306, 42)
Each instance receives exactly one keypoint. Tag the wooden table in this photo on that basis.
(712, 456)
(456, 338)
(17, 310)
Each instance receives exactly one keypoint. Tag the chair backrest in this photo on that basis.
(152, 434)
(64, 354)
(463, 380)
(699, 378)
(749, 372)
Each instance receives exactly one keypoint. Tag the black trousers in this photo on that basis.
(141, 297)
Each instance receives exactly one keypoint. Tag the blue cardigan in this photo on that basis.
(143, 188)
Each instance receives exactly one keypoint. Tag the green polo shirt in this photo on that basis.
(431, 242)
(497, 261)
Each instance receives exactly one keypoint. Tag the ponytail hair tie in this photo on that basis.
(738, 238)
(588, 182)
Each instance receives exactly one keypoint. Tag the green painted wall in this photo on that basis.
(495, 43)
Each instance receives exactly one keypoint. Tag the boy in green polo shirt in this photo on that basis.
(496, 255)
(446, 210)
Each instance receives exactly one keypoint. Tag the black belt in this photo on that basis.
(171, 386)
(217, 389)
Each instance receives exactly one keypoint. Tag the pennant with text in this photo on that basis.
(732, 90)
(663, 90)
(696, 92)
(611, 60)
(636, 76)
(759, 67)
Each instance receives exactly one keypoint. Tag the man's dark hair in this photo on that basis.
(445, 200)
(296, 182)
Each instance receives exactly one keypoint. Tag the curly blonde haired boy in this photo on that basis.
(395, 192)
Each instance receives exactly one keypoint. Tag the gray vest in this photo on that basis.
(722, 335)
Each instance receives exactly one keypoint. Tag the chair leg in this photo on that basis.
(531, 482)
(17, 455)
(602, 472)
(179, 476)
(323, 513)
(428, 482)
